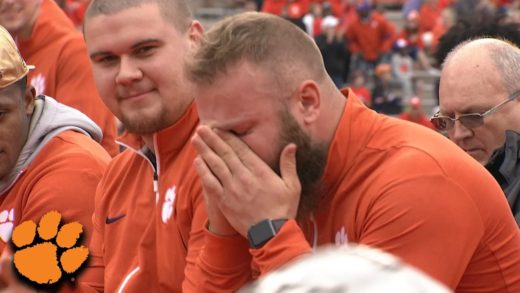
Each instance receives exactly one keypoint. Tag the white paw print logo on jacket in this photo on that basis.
(341, 237)
(6, 224)
(167, 208)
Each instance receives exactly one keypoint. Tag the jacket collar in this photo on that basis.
(504, 165)
(353, 133)
(175, 137)
(505, 160)
(167, 142)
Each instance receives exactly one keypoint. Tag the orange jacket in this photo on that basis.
(63, 177)
(371, 38)
(63, 68)
(276, 6)
(143, 240)
(428, 16)
(399, 187)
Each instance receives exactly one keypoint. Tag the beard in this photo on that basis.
(145, 123)
(311, 159)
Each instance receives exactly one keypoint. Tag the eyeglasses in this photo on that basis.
(472, 120)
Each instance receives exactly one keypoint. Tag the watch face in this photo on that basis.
(263, 231)
(260, 233)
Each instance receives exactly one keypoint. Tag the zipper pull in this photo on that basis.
(156, 186)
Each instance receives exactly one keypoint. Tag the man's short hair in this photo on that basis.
(262, 39)
(176, 12)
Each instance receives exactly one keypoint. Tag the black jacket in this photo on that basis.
(504, 164)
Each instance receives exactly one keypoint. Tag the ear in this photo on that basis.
(30, 96)
(195, 32)
(309, 101)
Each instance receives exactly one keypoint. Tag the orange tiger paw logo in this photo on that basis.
(39, 262)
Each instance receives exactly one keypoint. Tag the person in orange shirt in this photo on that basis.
(447, 20)
(429, 13)
(49, 40)
(149, 212)
(50, 157)
(288, 163)
(411, 31)
(278, 6)
(416, 114)
(414, 38)
(359, 87)
(370, 37)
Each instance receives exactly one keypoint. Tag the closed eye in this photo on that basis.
(240, 133)
(234, 133)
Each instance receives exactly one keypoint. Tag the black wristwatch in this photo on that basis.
(263, 231)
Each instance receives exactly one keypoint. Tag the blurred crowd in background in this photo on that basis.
(75, 9)
(391, 63)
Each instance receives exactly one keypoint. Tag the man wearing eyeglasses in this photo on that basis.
(480, 109)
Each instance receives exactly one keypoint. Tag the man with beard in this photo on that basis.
(343, 173)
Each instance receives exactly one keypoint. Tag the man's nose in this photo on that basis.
(128, 72)
(459, 132)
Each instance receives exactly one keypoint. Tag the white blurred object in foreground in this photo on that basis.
(354, 268)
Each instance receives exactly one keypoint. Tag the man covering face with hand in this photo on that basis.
(289, 162)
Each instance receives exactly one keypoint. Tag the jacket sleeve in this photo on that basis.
(288, 244)
(66, 183)
(75, 86)
(69, 187)
(223, 265)
(196, 237)
(92, 279)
